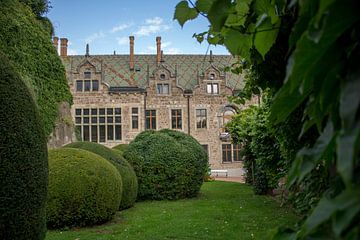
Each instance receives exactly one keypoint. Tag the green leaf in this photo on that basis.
(238, 44)
(345, 153)
(204, 5)
(343, 218)
(184, 13)
(265, 36)
(218, 14)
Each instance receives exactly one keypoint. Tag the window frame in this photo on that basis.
(160, 91)
(201, 118)
(176, 114)
(134, 118)
(150, 119)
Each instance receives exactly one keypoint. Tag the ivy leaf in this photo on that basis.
(184, 13)
(204, 5)
(242, 7)
(265, 38)
(218, 14)
(238, 44)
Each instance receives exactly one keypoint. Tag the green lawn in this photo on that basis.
(222, 211)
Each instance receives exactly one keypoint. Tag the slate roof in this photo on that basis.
(186, 68)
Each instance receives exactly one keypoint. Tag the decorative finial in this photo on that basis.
(161, 57)
(87, 50)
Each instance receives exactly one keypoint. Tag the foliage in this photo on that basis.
(24, 40)
(168, 164)
(321, 74)
(121, 147)
(23, 160)
(128, 176)
(39, 7)
(220, 212)
(84, 188)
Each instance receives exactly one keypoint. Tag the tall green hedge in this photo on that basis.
(169, 164)
(84, 188)
(27, 43)
(23, 160)
(128, 176)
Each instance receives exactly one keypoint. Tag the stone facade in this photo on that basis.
(113, 97)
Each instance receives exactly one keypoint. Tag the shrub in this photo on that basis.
(128, 176)
(84, 188)
(121, 147)
(23, 160)
(169, 164)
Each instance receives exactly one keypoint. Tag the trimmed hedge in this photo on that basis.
(129, 179)
(26, 41)
(23, 160)
(121, 148)
(169, 164)
(84, 188)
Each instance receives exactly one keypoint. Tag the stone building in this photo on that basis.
(118, 96)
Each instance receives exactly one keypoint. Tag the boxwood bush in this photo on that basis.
(169, 164)
(84, 188)
(129, 179)
(121, 147)
(23, 160)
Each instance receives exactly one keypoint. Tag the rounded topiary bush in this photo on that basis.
(169, 164)
(128, 176)
(23, 160)
(84, 188)
(121, 147)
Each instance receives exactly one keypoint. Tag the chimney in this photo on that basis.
(158, 50)
(63, 47)
(211, 57)
(131, 62)
(56, 43)
(87, 52)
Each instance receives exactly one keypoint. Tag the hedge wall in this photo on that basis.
(84, 188)
(23, 160)
(27, 43)
(129, 179)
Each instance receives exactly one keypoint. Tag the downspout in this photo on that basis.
(188, 110)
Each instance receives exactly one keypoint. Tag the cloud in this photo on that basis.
(121, 27)
(72, 52)
(154, 21)
(122, 40)
(172, 51)
(152, 25)
(95, 36)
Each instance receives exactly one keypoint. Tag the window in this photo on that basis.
(212, 88)
(98, 125)
(87, 85)
(226, 152)
(135, 118)
(176, 121)
(206, 149)
(162, 88)
(162, 76)
(212, 76)
(150, 119)
(95, 85)
(79, 85)
(231, 153)
(201, 118)
(237, 152)
(87, 75)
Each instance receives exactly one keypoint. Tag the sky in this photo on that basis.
(107, 24)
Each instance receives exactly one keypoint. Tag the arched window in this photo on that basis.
(228, 113)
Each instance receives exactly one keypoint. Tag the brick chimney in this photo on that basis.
(158, 50)
(131, 62)
(63, 47)
(56, 43)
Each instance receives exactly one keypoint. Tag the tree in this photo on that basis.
(321, 74)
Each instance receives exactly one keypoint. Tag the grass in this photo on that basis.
(223, 210)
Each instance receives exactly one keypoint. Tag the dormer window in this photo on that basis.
(212, 76)
(212, 88)
(87, 85)
(162, 89)
(87, 75)
(162, 76)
